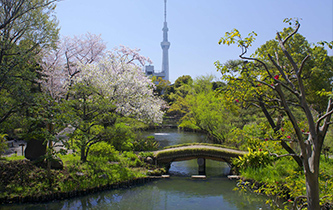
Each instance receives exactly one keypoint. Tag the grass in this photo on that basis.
(14, 157)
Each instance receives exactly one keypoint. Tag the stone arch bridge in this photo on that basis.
(200, 152)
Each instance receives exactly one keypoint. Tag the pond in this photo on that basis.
(177, 192)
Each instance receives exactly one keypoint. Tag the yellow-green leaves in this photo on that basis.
(235, 37)
(292, 21)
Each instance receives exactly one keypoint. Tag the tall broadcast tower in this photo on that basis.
(165, 44)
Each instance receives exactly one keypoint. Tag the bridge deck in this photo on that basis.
(196, 151)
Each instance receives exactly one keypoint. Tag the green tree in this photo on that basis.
(26, 27)
(206, 111)
(91, 113)
(160, 85)
(317, 72)
(185, 79)
(181, 88)
(282, 87)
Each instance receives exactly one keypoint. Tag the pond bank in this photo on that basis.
(71, 194)
(24, 182)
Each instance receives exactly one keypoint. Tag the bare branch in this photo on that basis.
(293, 90)
(286, 53)
(302, 65)
(292, 34)
(257, 60)
(326, 117)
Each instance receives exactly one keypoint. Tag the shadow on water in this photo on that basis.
(190, 167)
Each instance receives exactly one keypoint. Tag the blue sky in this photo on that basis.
(195, 27)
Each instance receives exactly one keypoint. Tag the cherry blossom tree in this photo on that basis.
(117, 86)
(61, 64)
(119, 76)
(116, 76)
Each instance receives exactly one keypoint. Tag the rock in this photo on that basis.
(57, 164)
(233, 177)
(198, 177)
(104, 176)
(35, 149)
(150, 172)
(79, 174)
(149, 160)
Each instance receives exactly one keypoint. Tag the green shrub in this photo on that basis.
(3, 143)
(146, 154)
(145, 144)
(130, 155)
(120, 136)
(253, 159)
(103, 149)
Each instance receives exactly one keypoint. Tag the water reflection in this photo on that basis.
(190, 167)
(174, 193)
(168, 137)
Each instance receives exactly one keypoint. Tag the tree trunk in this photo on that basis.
(312, 190)
(83, 154)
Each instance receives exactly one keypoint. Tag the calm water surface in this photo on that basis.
(178, 192)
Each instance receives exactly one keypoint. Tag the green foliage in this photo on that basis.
(130, 155)
(91, 114)
(15, 157)
(121, 136)
(317, 71)
(183, 80)
(176, 94)
(146, 154)
(253, 159)
(145, 144)
(282, 79)
(98, 170)
(235, 37)
(29, 27)
(131, 159)
(103, 149)
(206, 111)
(284, 180)
(160, 85)
(3, 143)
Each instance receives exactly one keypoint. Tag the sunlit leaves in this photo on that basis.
(328, 44)
(292, 21)
(235, 37)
